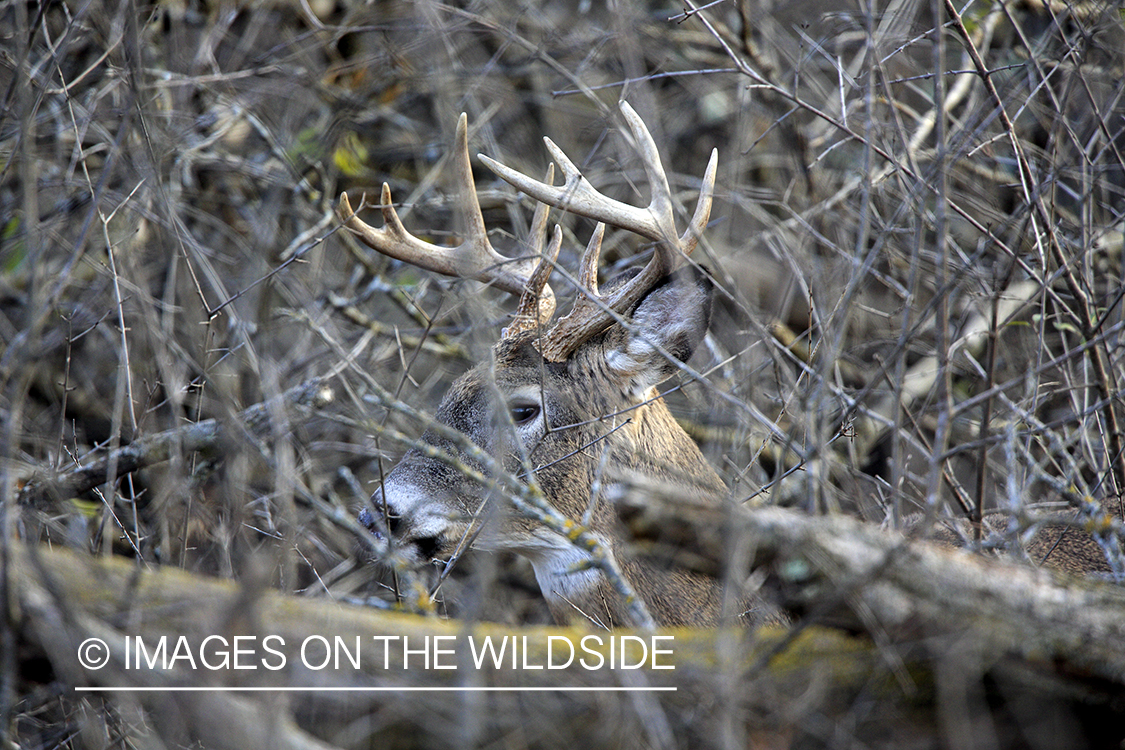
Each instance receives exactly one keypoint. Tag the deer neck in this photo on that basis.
(655, 446)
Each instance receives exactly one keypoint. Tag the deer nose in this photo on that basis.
(368, 519)
(378, 517)
(416, 539)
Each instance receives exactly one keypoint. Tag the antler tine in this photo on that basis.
(474, 258)
(691, 236)
(537, 303)
(588, 266)
(660, 205)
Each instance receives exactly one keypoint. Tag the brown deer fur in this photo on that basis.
(601, 400)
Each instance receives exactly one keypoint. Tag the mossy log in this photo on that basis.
(856, 576)
(930, 662)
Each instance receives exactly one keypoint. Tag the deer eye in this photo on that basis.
(523, 411)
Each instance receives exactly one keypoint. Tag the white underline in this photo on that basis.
(410, 689)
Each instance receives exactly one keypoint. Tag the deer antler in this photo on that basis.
(592, 312)
(475, 257)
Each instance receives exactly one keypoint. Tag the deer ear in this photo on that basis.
(673, 317)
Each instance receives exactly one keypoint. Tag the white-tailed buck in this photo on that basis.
(565, 404)
(570, 399)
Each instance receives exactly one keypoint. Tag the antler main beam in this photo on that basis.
(592, 312)
(578, 196)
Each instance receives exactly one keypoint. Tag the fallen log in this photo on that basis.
(973, 650)
(854, 575)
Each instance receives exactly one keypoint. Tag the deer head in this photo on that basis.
(561, 402)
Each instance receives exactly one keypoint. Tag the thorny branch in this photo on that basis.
(205, 436)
